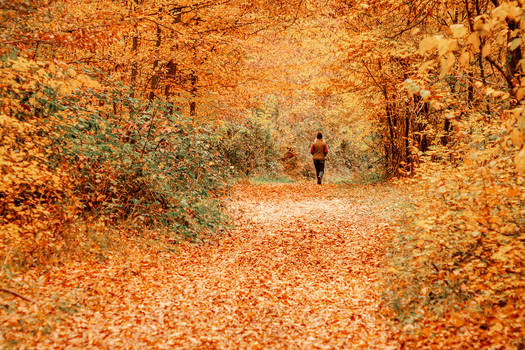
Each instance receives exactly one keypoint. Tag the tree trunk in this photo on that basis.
(193, 91)
(514, 56)
(155, 78)
(134, 49)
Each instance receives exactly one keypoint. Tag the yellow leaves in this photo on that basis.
(445, 49)
(501, 37)
(517, 138)
(52, 68)
(514, 44)
(465, 58)
(497, 93)
(428, 44)
(14, 126)
(41, 73)
(21, 65)
(70, 72)
(519, 113)
(424, 68)
(481, 207)
(446, 46)
(62, 78)
(458, 31)
(501, 254)
(423, 224)
(482, 25)
(486, 50)
(519, 160)
(63, 89)
(29, 188)
(88, 82)
(447, 63)
(312, 272)
(474, 41)
(507, 9)
(68, 86)
(520, 93)
(496, 327)
(501, 11)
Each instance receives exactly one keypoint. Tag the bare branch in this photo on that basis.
(502, 71)
(12, 292)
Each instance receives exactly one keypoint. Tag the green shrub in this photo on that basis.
(146, 163)
(249, 147)
(90, 149)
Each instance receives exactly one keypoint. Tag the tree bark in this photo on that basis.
(134, 49)
(193, 91)
(156, 77)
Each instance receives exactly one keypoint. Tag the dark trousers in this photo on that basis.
(319, 169)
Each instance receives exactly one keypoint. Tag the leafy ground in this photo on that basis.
(299, 270)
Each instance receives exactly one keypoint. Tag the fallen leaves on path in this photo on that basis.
(299, 270)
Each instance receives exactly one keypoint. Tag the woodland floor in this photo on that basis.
(299, 270)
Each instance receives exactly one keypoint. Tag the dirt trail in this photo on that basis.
(298, 271)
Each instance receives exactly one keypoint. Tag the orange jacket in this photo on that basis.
(319, 150)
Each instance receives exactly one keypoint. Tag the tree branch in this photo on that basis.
(12, 292)
(382, 88)
(296, 15)
(501, 70)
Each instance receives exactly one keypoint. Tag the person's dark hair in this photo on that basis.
(319, 135)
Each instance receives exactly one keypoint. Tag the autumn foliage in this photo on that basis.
(123, 125)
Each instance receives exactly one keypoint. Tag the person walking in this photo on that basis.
(319, 150)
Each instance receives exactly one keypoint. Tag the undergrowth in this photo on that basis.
(259, 180)
(456, 264)
(77, 147)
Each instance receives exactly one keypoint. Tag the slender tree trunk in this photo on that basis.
(134, 49)
(393, 156)
(171, 73)
(470, 89)
(156, 76)
(193, 87)
(193, 91)
(407, 134)
(134, 69)
(514, 56)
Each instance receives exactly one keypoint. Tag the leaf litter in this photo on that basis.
(299, 270)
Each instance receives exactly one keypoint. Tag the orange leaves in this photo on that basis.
(462, 242)
(298, 270)
(35, 204)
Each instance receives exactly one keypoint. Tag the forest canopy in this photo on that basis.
(139, 115)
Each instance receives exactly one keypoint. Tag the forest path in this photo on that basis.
(298, 271)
